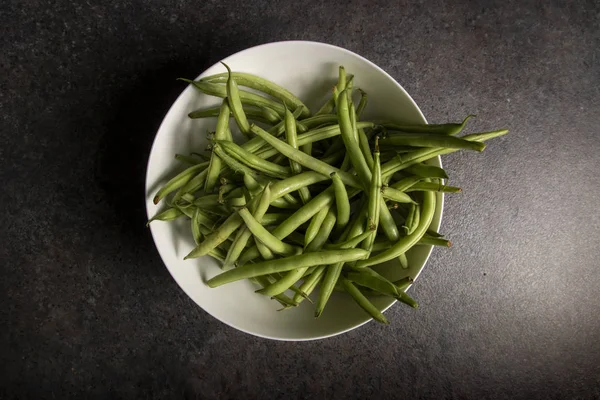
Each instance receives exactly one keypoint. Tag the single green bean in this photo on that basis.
(263, 85)
(374, 201)
(363, 302)
(442, 129)
(406, 183)
(363, 142)
(315, 225)
(403, 260)
(290, 133)
(396, 195)
(235, 102)
(168, 215)
(411, 222)
(190, 160)
(342, 201)
(431, 140)
(286, 264)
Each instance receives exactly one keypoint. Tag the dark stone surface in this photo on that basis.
(88, 309)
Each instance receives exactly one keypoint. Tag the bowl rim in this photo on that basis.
(441, 196)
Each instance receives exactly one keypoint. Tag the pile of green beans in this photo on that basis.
(311, 200)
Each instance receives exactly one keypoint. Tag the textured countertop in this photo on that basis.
(89, 310)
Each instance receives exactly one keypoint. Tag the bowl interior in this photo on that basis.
(309, 70)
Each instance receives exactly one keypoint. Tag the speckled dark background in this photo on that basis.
(89, 310)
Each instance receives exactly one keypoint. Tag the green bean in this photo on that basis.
(431, 140)
(362, 103)
(290, 133)
(396, 195)
(245, 233)
(411, 220)
(433, 187)
(374, 201)
(265, 237)
(341, 85)
(406, 183)
(442, 129)
(427, 171)
(252, 160)
(406, 242)
(352, 147)
(248, 98)
(421, 155)
(387, 223)
(271, 116)
(263, 85)
(403, 260)
(363, 302)
(294, 275)
(178, 181)
(315, 225)
(363, 143)
(286, 264)
(217, 237)
(207, 200)
(168, 215)
(195, 224)
(233, 94)
(342, 201)
(190, 160)
(253, 113)
(304, 159)
(431, 241)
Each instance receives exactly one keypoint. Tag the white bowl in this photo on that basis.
(309, 70)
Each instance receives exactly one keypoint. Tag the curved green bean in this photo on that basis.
(341, 200)
(406, 242)
(290, 133)
(363, 302)
(286, 264)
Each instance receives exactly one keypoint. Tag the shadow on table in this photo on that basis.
(140, 107)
